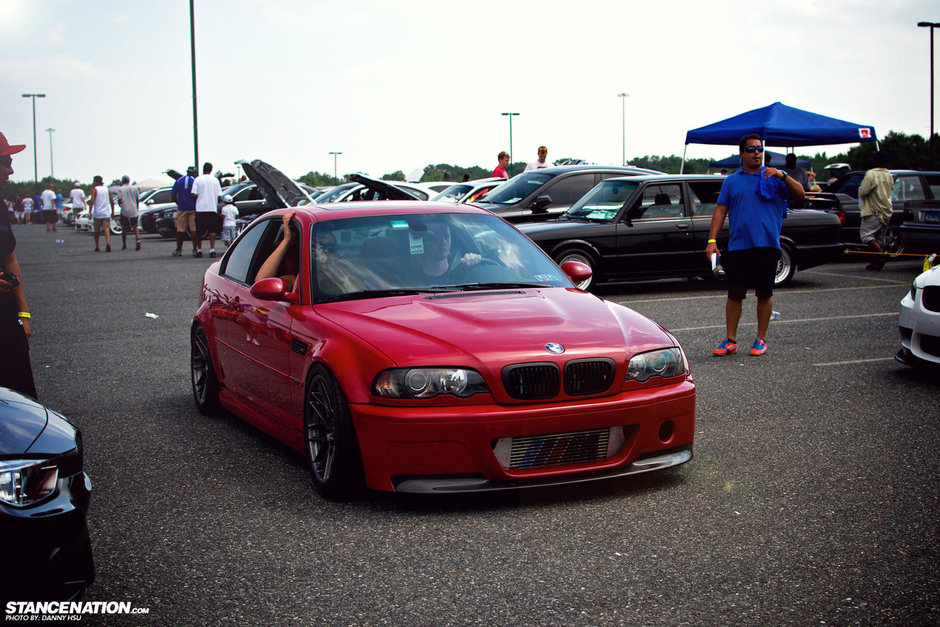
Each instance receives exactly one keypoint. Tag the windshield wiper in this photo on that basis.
(410, 291)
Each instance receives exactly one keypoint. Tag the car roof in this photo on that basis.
(559, 169)
(355, 209)
(666, 177)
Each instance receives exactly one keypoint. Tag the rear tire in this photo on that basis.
(574, 254)
(330, 443)
(205, 381)
(893, 243)
(786, 266)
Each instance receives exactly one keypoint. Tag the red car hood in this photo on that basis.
(497, 328)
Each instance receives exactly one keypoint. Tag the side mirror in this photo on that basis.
(270, 289)
(540, 204)
(578, 272)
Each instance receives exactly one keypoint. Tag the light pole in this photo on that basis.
(35, 159)
(931, 26)
(192, 47)
(510, 141)
(335, 155)
(623, 109)
(51, 167)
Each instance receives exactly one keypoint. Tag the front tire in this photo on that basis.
(786, 266)
(573, 254)
(116, 228)
(205, 381)
(893, 243)
(331, 447)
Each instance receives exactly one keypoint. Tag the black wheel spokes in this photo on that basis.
(321, 432)
(200, 366)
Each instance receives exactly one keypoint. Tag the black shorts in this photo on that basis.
(128, 224)
(752, 268)
(50, 217)
(207, 222)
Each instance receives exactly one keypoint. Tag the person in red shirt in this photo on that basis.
(500, 170)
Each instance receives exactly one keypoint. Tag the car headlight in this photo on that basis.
(26, 481)
(667, 362)
(428, 382)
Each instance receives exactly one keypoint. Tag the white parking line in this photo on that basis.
(794, 321)
(724, 295)
(854, 361)
(866, 277)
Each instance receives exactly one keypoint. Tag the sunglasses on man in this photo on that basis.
(6, 160)
(752, 149)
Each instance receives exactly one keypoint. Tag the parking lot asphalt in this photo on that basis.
(812, 497)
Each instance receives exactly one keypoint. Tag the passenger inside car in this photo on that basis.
(283, 261)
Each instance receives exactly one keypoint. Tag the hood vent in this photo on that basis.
(474, 294)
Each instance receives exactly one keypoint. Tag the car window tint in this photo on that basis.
(659, 201)
(907, 188)
(162, 196)
(568, 190)
(704, 196)
(849, 184)
(933, 182)
(238, 264)
(518, 188)
(603, 202)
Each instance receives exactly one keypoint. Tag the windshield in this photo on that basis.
(336, 192)
(374, 256)
(517, 188)
(453, 192)
(604, 201)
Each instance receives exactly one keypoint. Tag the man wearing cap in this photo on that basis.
(185, 210)
(128, 197)
(206, 192)
(540, 162)
(16, 372)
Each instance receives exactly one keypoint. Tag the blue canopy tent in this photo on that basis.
(780, 125)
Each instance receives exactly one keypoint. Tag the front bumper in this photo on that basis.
(451, 448)
(920, 237)
(919, 331)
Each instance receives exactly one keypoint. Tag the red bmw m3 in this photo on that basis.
(432, 348)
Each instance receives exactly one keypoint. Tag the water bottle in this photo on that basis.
(60, 241)
(717, 269)
(775, 315)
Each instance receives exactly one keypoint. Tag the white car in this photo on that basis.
(468, 191)
(919, 322)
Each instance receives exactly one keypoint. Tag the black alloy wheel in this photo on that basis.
(205, 382)
(331, 447)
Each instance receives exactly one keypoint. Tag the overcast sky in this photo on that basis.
(398, 84)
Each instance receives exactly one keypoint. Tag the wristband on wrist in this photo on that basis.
(23, 314)
(711, 241)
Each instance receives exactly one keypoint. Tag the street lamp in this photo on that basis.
(335, 155)
(510, 141)
(192, 49)
(931, 26)
(51, 167)
(623, 107)
(35, 159)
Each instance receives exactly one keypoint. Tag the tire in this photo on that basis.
(786, 266)
(205, 381)
(330, 443)
(893, 244)
(116, 228)
(574, 254)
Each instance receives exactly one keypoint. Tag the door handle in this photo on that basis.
(682, 225)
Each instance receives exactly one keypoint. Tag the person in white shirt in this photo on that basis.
(77, 198)
(101, 211)
(206, 191)
(49, 215)
(541, 163)
(128, 197)
(229, 217)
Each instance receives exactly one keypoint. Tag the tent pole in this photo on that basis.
(682, 167)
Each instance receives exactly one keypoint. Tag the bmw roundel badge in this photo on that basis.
(555, 348)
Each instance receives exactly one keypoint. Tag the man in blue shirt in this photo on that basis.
(185, 210)
(755, 201)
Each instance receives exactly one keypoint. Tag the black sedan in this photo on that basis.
(44, 494)
(655, 227)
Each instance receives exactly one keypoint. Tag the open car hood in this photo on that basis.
(385, 190)
(278, 190)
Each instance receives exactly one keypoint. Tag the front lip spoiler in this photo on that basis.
(462, 485)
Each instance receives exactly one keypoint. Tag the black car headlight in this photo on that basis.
(666, 362)
(26, 481)
(428, 382)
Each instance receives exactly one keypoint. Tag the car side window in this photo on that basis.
(569, 189)
(703, 195)
(907, 188)
(238, 264)
(659, 201)
(933, 182)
